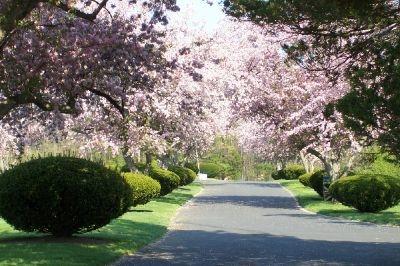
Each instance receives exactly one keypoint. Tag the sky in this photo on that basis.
(201, 13)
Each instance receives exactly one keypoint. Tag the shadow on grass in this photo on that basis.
(133, 210)
(306, 200)
(125, 235)
(385, 217)
(51, 239)
(175, 198)
(310, 200)
(94, 248)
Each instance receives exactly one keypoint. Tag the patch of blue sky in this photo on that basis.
(202, 14)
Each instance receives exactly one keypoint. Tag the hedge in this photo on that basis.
(316, 182)
(186, 175)
(144, 188)
(367, 193)
(213, 170)
(192, 166)
(167, 179)
(305, 179)
(291, 172)
(62, 196)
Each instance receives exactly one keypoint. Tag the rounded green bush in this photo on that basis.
(167, 179)
(144, 188)
(305, 179)
(316, 182)
(141, 166)
(277, 174)
(62, 196)
(192, 166)
(291, 172)
(213, 170)
(367, 193)
(186, 175)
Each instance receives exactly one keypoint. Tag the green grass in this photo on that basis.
(140, 226)
(310, 200)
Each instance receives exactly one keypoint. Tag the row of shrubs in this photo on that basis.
(64, 195)
(290, 172)
(364, 192)
(213, 170)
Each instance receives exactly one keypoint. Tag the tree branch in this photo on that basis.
(318, 155)
(110, 99)
(26, 97)
(88, 16)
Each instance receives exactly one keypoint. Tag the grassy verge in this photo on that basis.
(310, 200)
(125, 235)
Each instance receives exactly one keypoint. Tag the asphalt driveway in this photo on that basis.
(249, 223)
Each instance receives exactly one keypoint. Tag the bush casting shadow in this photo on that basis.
(98, 246)
(133, 210)
(177, 198)
(141, 226)
(309, 200)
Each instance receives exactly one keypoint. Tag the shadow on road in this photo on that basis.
(251, 201)
(224, 248)
(259, 223)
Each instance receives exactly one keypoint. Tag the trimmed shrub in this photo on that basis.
(305, 179)
(144, 188)
(167, 179)
(291, 172)
(367, 193)
(278, 174)
(192, 166)
(141, 167)
(212, 170)
(117, 164)
(186, 175)
(316, 182)
(62, 196)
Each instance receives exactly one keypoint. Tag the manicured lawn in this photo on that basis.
(310, 200)
(125, 235)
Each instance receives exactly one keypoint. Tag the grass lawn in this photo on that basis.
(310, 200)
(142, 225)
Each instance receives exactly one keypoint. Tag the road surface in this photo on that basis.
(243, 223)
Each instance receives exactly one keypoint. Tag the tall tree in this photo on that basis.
(43, 43)
(358, 39)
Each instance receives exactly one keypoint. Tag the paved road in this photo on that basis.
(260, 224)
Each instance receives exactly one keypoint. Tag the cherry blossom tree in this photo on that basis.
(282, 105)
(43, 44)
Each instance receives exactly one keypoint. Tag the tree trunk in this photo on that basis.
(197, 160)
(149, 159)
(331, 170)
(130, 163)
(2, 165)
(280, 165)
(306, 163)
